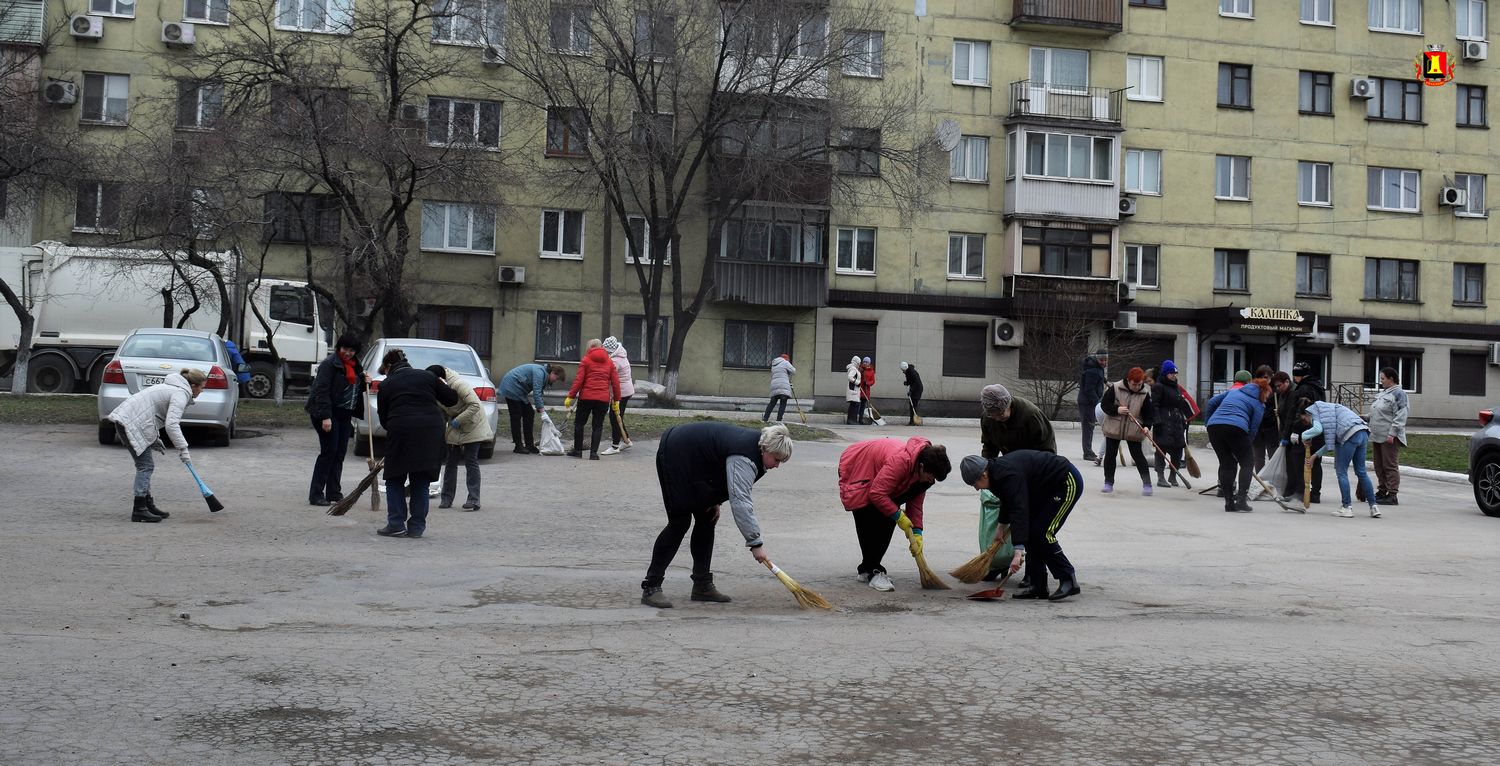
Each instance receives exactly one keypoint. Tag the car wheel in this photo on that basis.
(1487, 484)
(49, 375)
(262, 382)
(487, 450)
(222, 437)
(107, 432)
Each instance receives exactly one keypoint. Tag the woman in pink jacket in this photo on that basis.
(876, 478)
(621, 361)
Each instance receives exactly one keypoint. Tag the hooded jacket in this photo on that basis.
(597, 379)
(473, 426)
(877, 472)
(622, 371)
(852, 373)
(1090, 381)
(781, 377)
(1239, 407)
(151, 409)
(913, 381)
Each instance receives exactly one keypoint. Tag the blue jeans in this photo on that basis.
(397, 513)
(1353, 451)
(145, 464)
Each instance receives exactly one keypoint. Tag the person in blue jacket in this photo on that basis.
(518, 385)
(241, 370)
(1232, 418)
(1346, 435)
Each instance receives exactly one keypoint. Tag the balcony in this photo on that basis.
(1032, 100)
(1091, 17)
(21, 22)
(1064, 297)
(771, 283)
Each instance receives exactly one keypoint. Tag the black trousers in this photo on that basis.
(1172, 451)
(1232, 446)
(1262, 446)
(616, 424)
(874, 529)
(1112, 453)
(522, 418)
(914, 398)
(670, 539)
(780, 412)
(1043, 552)
(589, 408)
(1295, 454)
(328, 469)
(854, 411)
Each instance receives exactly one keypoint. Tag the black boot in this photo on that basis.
(704, 590)
(1065, 589)
(1242, 503)
(141, 511)
(651, 595)
(151, 506)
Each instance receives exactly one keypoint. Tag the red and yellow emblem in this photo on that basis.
(1435, 66)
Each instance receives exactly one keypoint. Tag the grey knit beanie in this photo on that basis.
(972, 467)
(994, 398)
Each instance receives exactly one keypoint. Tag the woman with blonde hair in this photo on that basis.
(139, 419)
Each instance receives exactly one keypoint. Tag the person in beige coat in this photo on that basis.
(468, 429)
(139, 419)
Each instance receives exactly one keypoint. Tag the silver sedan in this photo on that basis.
(146, 356)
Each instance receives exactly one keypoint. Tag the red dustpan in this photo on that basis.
(993, 594)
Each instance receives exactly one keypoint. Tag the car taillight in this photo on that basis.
(217, 380)
(113, 373)
(374, 386)
(1485, 416)
(485, 393)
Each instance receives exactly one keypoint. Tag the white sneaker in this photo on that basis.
(863, 577)
(1374, 511)
(627, 445)
(1346, 512)
(610, 450)
(881, 582)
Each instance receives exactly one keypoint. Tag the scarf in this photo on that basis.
(349, 370)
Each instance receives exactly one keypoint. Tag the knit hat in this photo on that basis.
(1102, 352)
(904, 366)
(611, 343)
(1167, 368)
(1243, 376)
(994, 398)
(1301, 369)
(867, 360)
(1136, 375)
(972, 467)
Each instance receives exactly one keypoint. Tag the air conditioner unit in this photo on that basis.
(60, 93)
(1475, 50)
(1125, 320)
(1009, 333)
(414, 112)
(512, 275)
(1127, 206)
(492, 56)
(1363, 87)
(1354, 334)
(87, 27)
(1127, 291)
(178, 34)
(1495, 353)
(1452, 196)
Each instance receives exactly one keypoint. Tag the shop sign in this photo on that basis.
(1266, 319)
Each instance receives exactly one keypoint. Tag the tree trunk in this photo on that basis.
(23, 348)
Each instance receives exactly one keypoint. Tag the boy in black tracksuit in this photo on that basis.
(1305, 387)
(1037, 491)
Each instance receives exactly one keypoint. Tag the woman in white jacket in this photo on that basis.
(139, 418)
(619, 442)
(852, 372)
(781, 386)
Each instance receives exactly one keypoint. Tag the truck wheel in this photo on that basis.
(262, 383)
(96, 374)
(107, 432)
(50, 375)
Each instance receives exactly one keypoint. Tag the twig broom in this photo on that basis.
(929, 579)
(805, 598)
(980, 565)
(342, 507)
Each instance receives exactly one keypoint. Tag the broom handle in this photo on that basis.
(1164, 456)
(619, 421)
(201, 486)
(370, 425)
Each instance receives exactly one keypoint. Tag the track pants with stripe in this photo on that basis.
(1042, 551)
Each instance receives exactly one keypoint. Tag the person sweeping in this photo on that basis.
(699, 467)
(138, 420)
(1037, 491)
(468, 430)
(409, 405)
(1127, 412)
(914, 390)
(877, 478)
(1010, 423)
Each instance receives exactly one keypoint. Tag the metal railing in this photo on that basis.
(1102, 14)
(1031, 98)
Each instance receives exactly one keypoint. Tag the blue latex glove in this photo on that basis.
(1285, 442)
(453, 424)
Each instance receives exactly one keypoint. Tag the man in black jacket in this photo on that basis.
(1305, 386)
(1091, 378)
(913, 389)
(1037, 491)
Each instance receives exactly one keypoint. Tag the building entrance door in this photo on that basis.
(1226, 360)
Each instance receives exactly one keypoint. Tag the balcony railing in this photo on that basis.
(21, 22)
(1030, 98)
(1101, 16)
(771, 283)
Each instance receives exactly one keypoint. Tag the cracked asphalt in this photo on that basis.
(271, 633)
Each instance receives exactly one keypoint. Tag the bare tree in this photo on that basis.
(1055, 347)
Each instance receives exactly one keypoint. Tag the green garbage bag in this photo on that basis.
(989, 519)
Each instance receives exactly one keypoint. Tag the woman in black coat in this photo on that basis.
(1172, 415)
(335, 399)
(408, 406)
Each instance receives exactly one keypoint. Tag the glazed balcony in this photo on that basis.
(1093, 17)
(771, 283)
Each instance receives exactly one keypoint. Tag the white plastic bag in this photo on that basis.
(551, 441)
(1274, 472)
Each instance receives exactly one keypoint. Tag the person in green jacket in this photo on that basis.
(1010, 423)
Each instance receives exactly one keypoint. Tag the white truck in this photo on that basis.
(85, 299)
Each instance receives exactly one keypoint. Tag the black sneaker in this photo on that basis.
(531, 449)
(318, 501)
(519, 450)
(390, 532)
(471, 506)
(593, 456)
(574, 453)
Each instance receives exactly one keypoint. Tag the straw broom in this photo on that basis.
(805, 598)
(342, 507)
(980, 565)
(929, 579)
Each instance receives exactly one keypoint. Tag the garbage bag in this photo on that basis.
(1274, 472)
(551, 442)
(989, 518)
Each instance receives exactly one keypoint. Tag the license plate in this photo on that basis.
(150, 380)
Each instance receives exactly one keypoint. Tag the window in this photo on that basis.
(199, 105)
(655, 34)
(98, 208)
(1315, 93)
(1232, 270)
(852, 337)
(569, 28)
(754, 344)
(1143, 78)
(469, 22)
(105, 97)
(970, 160)
(452, 122)
(567, 131)
(334, 16)
(1466, 373)
(1395, 100)
(1390, 279)
(635, 339)
(1234, 86)
(457, 324)
(557, 335)
(775, 234)
(206, 11)
(657, 132)
(1141, 265)
(860, 154)
(1317, 12)
(965, 348)
(792, 32)
(306, 109)
(1240, 8)
(1396, 16)
(1471, 19)
(971, 63)
(1312, 275)
(1065, 252)
(1065, 155)
(1468, 284)
(1406, 364)
(1314, 183)
(1060, 69)
(856, 251)
(1149, 3)
(1231, 177)
(792, 134)
(864, 53)
(640, 231)
(457, 226)
(1143, 171)
(310, 218)
(291, 304)
(1471, 113)
(1394, 189)
(562, 234)
(966, 256)
(112, 8)
(1474, 183)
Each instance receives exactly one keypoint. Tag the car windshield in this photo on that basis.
(169, 347)
(458, 360)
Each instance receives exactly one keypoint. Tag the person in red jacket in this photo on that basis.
(597, 388)
(876, 478)
(866, 382)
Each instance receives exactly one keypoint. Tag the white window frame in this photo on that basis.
(1141, 84)
(1050, 143)
(561, 222)
(123, 9)
(864, 53)
(576, 25)
(1136, 164)
(1318, 13)
(199, 120)
(1224, 270)
(1477, 26)
(1238, 167)
(1404, 178)
(470, 138)
(110, 86)
(1384, 12)
(1476, 206)
(976, 57)
(215, 12)
(98, 188)
(1461, 279)
(437, 213)
(965, 241)
(1042, 68)
(483, 23)
(337, 16)
(855, 233)
(1307, 183)
(972, 152)
(1237, 9)
(630, 258)
(1135, 265)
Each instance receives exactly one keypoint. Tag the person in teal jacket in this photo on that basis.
(518, 385)
(1346, 435)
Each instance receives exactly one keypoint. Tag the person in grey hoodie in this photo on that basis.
(1388, 435)
(781, 386)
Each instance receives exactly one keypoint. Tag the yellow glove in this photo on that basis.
(615, 406)
(567, 402)
(916, 545)
(904, 522)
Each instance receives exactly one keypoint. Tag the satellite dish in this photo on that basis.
(948, 135)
